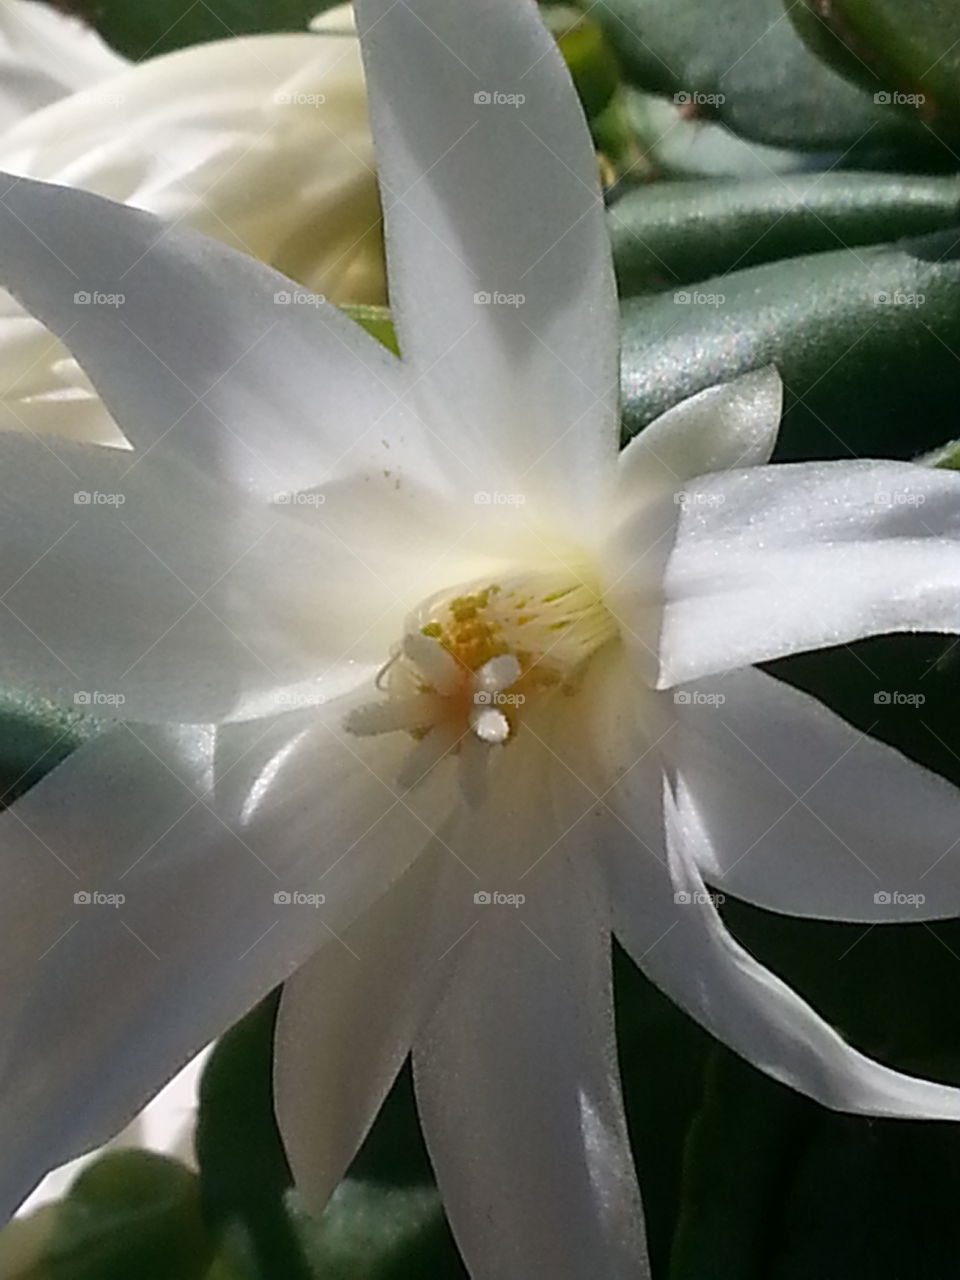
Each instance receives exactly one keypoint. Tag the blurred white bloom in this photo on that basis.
(167, 1125)
(426, 690)
(262, 142)
(45, 55)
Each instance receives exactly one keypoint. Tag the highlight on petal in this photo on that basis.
(775, 560)
(802, 813)
(668, 922)
(348, 1018)
(45, 55)
(198, 350)
(501, 282)
(516, 1071)
(138, 865)
(148, 592)
(733, 424)
(262, 142)
(166, 1125)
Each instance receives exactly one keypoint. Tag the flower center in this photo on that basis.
(471, 665)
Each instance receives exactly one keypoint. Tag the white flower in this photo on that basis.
(167, 1125)
(421, 682)
(45, 55)
(262, 142)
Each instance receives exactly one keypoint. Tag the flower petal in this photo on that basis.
(45, 55)
(201, 351)
(348, 1017)
(216, 840)
(774, 560)
(518, 1092)
(802, 813)
(260, 141)
(499, 260)
(153, 592)
(734, 424)
(670, 926)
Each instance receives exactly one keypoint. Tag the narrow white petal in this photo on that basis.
(670, 926)
(348, 1017)
(197, 349)
(802, 813)
(145, 592)
(734, 424)
(774, 560)
(222, 899)
(167, 1125)
(45, 55)
(258, 141)
(518, 1091)
(499, 261)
